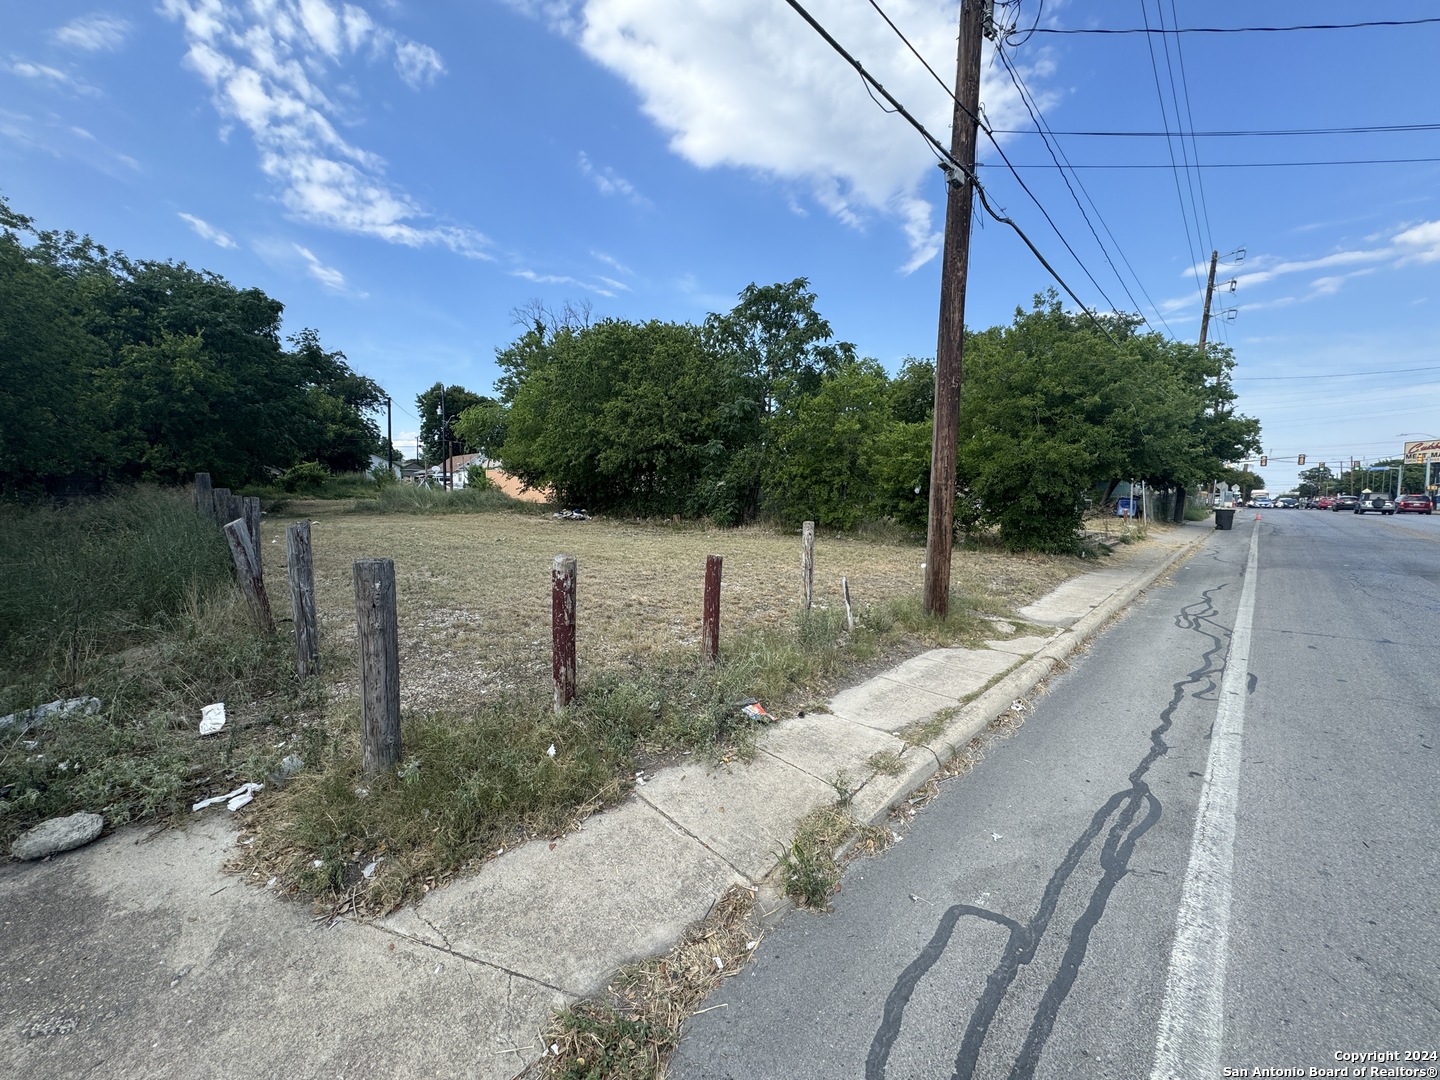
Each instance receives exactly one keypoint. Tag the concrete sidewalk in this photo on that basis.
(138, 956)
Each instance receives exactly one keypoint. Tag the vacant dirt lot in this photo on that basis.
(474, 590)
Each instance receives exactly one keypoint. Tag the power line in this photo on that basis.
(1337, 375)
(1190, 116)
(829, 40)
(1355, 130)
(1238, 29)
(1036, 115)
(1001, 151)
(1170, 146)
(1242, 164)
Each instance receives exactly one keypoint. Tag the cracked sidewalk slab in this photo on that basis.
(144, 958)
(568, 912)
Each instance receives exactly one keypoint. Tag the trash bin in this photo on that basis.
(1225, 518)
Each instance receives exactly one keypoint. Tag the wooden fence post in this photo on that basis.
(220, 506)
(710, 621)
(247, 566)
(562, 625)
(235, 510)
(379, 636)
(807, 561)
(204, 496)
(302, 598)
(250, 511)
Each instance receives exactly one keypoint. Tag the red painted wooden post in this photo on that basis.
(710, 622)
(378, 632)
(562, 624)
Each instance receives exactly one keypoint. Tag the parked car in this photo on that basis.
(1325, 502)
(1374, 504)
(1344, 502)
(1413, 504)
(1262, 504)
(1286, 504)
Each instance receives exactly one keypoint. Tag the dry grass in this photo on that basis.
(630, 1034)
(474, 601)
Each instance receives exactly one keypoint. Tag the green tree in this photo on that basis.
(1316, 480)
(47, 359)
(452, 401)
(622, 416)
(1051, 406)
(342, 432)
(825, 444)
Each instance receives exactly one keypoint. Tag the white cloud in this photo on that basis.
(44, 73)
(419, 65)
(561, 279)
(1420, 243)
(328, 276)
(206, 231)
(612, 262)
(610, 182)
(264, 61)
(94, 33)
(747, 84)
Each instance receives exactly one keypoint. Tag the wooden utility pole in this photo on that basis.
(940, 536)
(1209, 292)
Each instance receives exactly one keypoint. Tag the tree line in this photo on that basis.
(761, 411)
(116, 369)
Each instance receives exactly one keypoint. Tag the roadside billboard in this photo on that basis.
(1421, 451)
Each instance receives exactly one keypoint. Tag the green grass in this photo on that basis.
(414, 499)
(130, 600)
(90, 578)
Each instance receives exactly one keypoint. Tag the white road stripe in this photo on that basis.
(1187, 1042)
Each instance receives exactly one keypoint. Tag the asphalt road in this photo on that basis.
(1212, 846)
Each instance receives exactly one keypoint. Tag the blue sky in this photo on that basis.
(404, 175)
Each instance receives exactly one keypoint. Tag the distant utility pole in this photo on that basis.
(975, 20)
(389, 439)
(1209, 292)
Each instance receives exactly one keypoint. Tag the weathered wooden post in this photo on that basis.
(220, 505)
(302, 598)
(204, 495)
(710, 621)
(562, 625)
(807, 561)
(379, 637)
(235, 510)
(247, 567)
(250, 513)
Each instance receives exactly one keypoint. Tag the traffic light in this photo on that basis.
(1301, 459)
(1264, 461)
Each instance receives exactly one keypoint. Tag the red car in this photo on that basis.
(1413, 504)
(1325, 502)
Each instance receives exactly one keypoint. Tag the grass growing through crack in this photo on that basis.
(809, 867)
(630, 1033)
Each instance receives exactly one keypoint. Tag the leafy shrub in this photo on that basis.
(306, 477)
